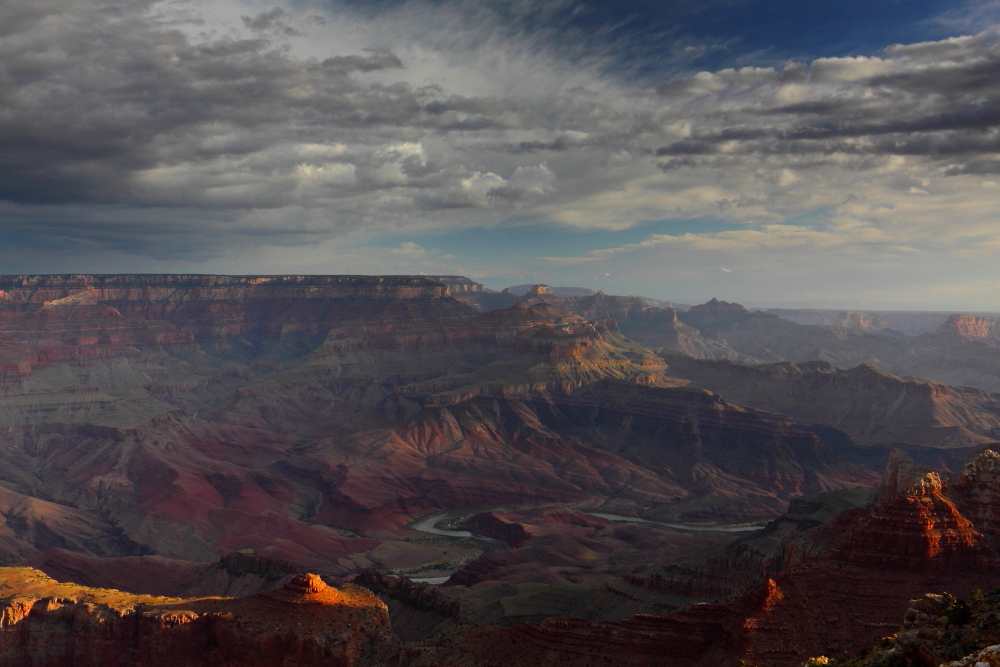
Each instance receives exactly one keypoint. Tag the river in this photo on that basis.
(428, 524)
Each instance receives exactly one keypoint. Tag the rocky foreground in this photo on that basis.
(838, 586)
(305, 623)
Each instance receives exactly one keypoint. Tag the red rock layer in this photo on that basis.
(983, 329)
(309, 625)
(920, 529)
(833, 604)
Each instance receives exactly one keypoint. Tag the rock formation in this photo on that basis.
(872, 406)
(982, 329)
(938, 629)
(196, 435)
(844, 319)
(833, 603)
(306, 623)
(311, 417)
(837, 599)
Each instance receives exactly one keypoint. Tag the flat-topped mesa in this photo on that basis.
(194, 287)
(43, 622)
(970, 326)
(862, 321)
(456, 284)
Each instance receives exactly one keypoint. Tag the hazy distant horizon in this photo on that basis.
(762, 304)
(654, 292)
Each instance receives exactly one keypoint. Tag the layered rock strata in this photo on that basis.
(307, 623)
(872, 406)
(835, 603)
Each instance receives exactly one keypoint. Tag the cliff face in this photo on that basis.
(306, 623)
(169, 414)
(832, 603)
(839, 600)
(920, 528)
(923, 538)
(872, 406)
(175, 288)
(982, 329)
(310, 418)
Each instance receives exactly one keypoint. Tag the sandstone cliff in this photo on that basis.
(983, 329)
(306, 623)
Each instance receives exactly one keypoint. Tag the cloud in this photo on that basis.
(272, 21)
(174, 131)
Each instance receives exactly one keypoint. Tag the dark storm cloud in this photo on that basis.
(159, 128)
(92, 106)
(935, 101)
(271, 21)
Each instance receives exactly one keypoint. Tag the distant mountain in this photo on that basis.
(664, 304)
(910, 322)
(521, 290)
(872, 406)
(964, 350)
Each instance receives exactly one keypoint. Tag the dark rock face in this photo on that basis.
(872, 406)
(239, 573)
(939, 629)
(870, 564)
(714, 315)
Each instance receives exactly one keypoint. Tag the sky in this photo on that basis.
(843, 153)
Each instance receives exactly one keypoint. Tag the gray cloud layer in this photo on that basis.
(182, 130)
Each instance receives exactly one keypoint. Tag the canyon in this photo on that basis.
(225, 444)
